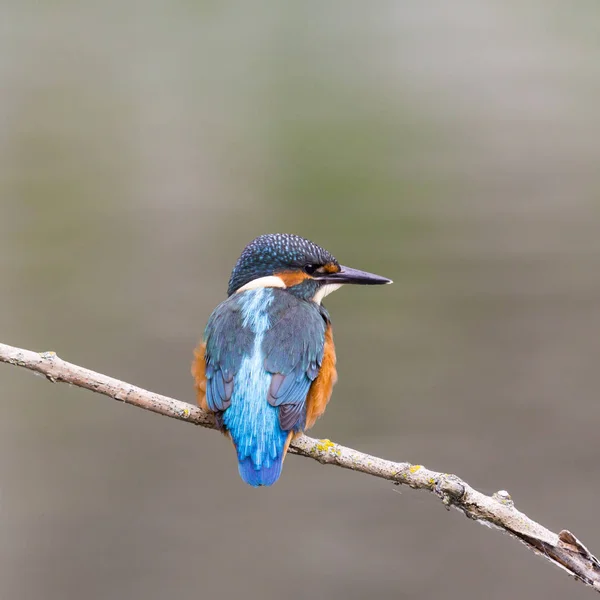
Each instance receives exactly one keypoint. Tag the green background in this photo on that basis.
(450, 146)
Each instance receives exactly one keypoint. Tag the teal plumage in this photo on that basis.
(251, 421)
(271, 344)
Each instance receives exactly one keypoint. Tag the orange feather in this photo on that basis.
(199, 374)
(331, 268)
(292, 278)
(290, 436)
(321, 388)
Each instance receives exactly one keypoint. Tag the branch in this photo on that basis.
(564, 549)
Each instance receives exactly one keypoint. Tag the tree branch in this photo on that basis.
(564, 549)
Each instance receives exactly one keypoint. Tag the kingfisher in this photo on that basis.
(266, 365)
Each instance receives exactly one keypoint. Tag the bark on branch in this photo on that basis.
(563, 549)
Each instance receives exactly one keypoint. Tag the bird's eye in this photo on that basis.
(310, 269)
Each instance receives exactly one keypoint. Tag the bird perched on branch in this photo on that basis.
(266, 365)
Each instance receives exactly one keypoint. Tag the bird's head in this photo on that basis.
(291, 262)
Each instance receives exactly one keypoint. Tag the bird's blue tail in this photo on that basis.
(260, 442)
(263, 475)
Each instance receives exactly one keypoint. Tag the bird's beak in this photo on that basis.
(349, 275)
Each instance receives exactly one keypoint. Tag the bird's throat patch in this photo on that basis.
(325, 290)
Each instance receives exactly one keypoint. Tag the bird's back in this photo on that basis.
(252, 422)
(263, 350)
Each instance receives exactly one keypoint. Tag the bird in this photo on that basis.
(266, 365)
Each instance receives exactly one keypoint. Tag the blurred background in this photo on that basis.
(452, 147)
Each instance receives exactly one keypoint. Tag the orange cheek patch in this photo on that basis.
(321, 388)
(331, 268)
(199, 374)
(292, 278)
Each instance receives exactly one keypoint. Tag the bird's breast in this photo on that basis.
(321, 388)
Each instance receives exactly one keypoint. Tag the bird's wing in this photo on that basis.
(227, 342)
(293, 349)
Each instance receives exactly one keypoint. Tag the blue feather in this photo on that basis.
(293, 349)
(251, 421)
(226, 342)
(264, 348)
(259, 477)
(293, 388)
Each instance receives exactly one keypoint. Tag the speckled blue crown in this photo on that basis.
(275, 252)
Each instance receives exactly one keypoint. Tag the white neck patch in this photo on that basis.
(262, 282)
(272, 281)
(325, 290)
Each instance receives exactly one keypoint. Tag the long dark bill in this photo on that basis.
(349, 275)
